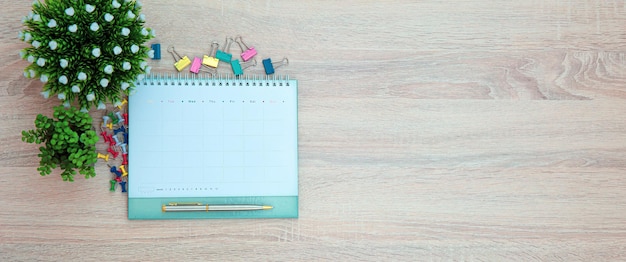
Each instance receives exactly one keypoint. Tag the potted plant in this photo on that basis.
(87, 53)
(69, 143)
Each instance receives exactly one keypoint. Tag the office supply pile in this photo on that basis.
(218, 56)
(114, 133)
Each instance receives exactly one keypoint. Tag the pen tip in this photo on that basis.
(267, 207)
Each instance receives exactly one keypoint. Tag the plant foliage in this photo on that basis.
(70, 143)
(91, 51)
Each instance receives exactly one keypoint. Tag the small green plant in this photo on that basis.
(91, 51)
(70, 143)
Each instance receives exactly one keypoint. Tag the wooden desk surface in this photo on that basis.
(428, 130)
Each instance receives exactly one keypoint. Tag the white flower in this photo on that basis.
(32, 73)
(27, 74)
(125, 85)
(148, 69)
(37, 18)
(63, 80)
(36, 44)
(43, 78)
(82, 76)
(28, 37)
(84, 110)
(108, 17)
(152, 32)
(63, 63)
(151, 53)
(143, 64)
(41, 61)
(52, 23)
(130, 15)
(134, 49)
(45, 94)
(108, 69)
(116, 4)
(140, 77)
(69, 11)
(30, 59)
(96, 52)
(20, 35)
(61, 96)
(144, 32)
(36, 2)
(66, 104)
(126, 66)
(89, 8)
(101, 105)
(53, 45)
(75, 89)
(72, 28)
(117, 50)
(22, 54)
(104, 82)
(90, 97)
(94, 26)
(138, 4)
(125, 31)
(142, 17)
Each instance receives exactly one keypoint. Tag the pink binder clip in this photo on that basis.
(195, 65)
(245, 54)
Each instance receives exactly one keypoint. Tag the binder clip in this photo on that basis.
(181, 62)
(157, 51)
(210, 60)
(269, 66)
(236, 66)
(248, 53)
(195, 65)
(223, 55)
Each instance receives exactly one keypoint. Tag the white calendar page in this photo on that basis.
(213, 138)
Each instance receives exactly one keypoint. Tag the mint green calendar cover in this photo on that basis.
(214, 141)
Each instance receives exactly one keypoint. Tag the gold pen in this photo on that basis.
(183, 207)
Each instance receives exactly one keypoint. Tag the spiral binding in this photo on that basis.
(178, 79)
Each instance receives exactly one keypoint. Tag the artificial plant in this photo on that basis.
(89, 51)
(70, 142)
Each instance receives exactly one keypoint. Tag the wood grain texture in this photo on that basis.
(428, 130)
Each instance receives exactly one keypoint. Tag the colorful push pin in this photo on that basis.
(120, 118)
(125, 137)
(181, 61)
(113, 182)
(123, 147)
(113, 152)
(117, 140)
(123, 186)
(125, 118)
(105, 136)
(210, 60)
(124, 173)
(225, 55)
(105, 120)
(195, 65)
(124, 159)
(120, 129)
(157, 51)
(245, 54)
(115, 171)
(269, 66)
(125, 101)
(114, 119)
(103, 156)
(236, 66)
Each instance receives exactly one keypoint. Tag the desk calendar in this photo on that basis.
(215, 141)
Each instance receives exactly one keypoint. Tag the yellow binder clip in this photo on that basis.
(210, 60)
(181, 61)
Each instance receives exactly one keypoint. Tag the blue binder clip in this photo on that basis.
(269, 66)
(157, 51)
